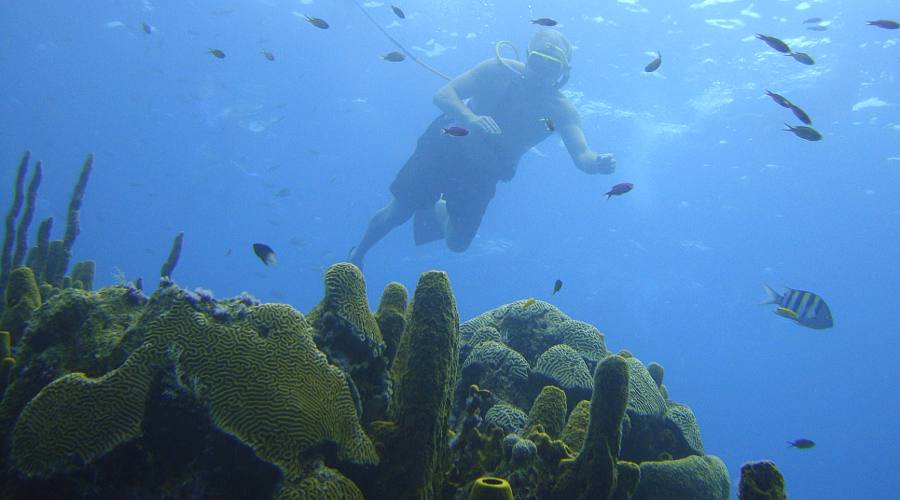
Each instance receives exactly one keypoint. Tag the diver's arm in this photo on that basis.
(450, 98)
(568, 123)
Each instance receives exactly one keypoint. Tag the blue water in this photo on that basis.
(724, 200)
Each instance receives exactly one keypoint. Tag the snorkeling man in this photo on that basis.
(451, 177)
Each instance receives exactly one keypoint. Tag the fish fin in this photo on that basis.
(772, 296)
(790, 444)
(787, 313)
(789, 128)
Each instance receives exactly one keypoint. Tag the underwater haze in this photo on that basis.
(297, 152)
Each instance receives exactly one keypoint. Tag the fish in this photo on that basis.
(654, 64)
(265, 254)
(283, 193)
(808, 133)
(817, 28)
(775, 43)
(217, 53)
(813, 20)
(800, 114)
(528, 303)
(801, 443)
(619, 189)
(557, 286)
(393, 56)
(806, 308)
(802, 57)
(399, 13)
(147, 28)
(545, 21)
(318, 23)
(549, 124)
(884, 23)
(455, 131)
(268, 55)
(228, 253)
(780, 99)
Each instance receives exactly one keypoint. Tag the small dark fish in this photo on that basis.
(808, 133)
(218, 53)
(456, 131)
(549, 124)
(557, 286)
(802, 57)
(393, 56)
(813, 20)
(780, 99)
(654, 64)
(398, 12)
(884, 23)
(318, 23)
(544, 21)
(619, 189)
(817, 28)
(228, 253)
(806, 308)
(265, 254)
(800, 114)
(268, 55)
(283, 193)
(775, 43)
(801, 443)
(147, 28)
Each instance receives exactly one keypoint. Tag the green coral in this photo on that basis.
(322, 483)
(7, 361)
(656, 372)
(22, 297)
(584, 338)
(499, 357)
(391, 316)
(345, 301)
(627, 480)
(548, 411)
(425, 371)
(76, 418)
(485, 319)
(576, 426)
(484, 334)
(507, 417)
(686, 478)
(564, 366)
(682, 417)
(761, 481)
(644, 398)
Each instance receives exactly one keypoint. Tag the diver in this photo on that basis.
(448, 182)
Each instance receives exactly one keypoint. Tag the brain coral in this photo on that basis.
(643, 394)
(584, 338)
(345, 299)
(507, 417)
(564, 366)
(682, 417)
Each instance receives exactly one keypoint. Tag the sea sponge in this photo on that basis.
(548, 411)
(761, 481)
(76, 419)
(686, 478)
(656, 372)
(391, 317)
(22, 297)
(424, 372)
(490, 488)
(576, 426)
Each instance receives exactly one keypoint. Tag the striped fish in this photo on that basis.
(806, 308)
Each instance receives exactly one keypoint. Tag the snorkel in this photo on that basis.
(547, 47)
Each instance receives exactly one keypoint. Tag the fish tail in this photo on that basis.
(790, 444)
(772, 296)
(789, 128)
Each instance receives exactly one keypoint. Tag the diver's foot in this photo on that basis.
(356, 258)
(443, 217)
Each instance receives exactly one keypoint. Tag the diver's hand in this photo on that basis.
(599, 164)
(485, 123)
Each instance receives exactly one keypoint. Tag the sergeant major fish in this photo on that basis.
(806, 308)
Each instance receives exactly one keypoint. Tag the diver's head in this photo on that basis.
(548, 59)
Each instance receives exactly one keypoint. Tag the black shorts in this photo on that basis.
(464, 169)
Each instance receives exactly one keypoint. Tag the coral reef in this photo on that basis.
(761, 481)
(174, 254)
(686, 478)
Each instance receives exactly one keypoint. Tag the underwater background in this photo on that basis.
(297, 152)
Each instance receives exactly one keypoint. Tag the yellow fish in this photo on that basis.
(528, 303)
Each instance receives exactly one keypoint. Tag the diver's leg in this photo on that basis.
(461, 221)
(384, 220)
